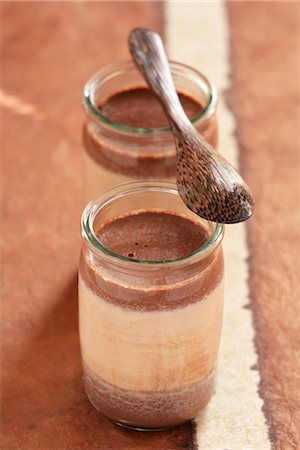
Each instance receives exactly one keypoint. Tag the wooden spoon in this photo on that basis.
(206, 182)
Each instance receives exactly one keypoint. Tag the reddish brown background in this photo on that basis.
(265, 99)
(48, 51)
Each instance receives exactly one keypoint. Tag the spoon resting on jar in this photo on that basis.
(207, 183)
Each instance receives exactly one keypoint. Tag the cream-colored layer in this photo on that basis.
(158, 350)
(98, 179)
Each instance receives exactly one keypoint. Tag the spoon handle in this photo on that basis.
(148, 53)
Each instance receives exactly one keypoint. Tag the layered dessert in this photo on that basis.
(119, 148)
(150, 332)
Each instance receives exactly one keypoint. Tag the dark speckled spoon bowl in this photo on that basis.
(206, 182)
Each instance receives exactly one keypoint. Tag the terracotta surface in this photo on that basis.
(49, 51)
(265, 99)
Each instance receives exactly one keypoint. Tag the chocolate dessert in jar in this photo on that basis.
(126, 134)
(150, 305)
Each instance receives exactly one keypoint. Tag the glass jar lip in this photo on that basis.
(121, 190)
(88, 97)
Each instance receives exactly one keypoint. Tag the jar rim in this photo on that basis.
(121, 190)
(88, 97)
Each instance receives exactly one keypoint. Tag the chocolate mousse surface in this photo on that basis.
(138, 107)
(152, 235)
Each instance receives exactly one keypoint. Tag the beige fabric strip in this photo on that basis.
(197, 34)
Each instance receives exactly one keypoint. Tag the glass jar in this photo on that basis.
(149, 329)
(115, 153)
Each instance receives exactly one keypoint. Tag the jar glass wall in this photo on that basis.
(114, 152)
(149, 327)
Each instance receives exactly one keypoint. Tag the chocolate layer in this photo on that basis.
(153, 235)
(151, 409)
(139, 108)
(135, 155)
